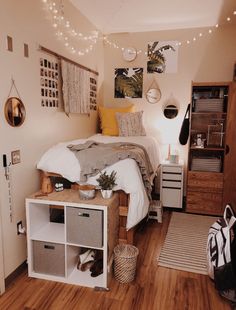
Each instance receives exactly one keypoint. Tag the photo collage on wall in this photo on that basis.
(49, 79)
(93, 93)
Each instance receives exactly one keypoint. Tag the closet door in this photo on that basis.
(229, 191)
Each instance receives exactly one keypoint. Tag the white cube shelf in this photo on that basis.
(54, 248)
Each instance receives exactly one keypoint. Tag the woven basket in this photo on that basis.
(125, 258)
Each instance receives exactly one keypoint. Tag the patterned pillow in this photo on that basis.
(130, 124)
(108, 119)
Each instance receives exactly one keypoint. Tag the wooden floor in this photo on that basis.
(154, 288)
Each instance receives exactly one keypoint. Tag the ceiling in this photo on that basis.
(115, 16)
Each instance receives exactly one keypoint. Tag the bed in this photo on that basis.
(134, 202)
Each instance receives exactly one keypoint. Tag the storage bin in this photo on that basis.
(84, 226)
(49, 258)
(125, 260)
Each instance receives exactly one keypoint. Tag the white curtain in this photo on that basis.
(75, 88)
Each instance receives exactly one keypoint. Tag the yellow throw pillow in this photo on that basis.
(108, 119)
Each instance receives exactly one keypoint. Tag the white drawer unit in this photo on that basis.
(171, 185)
(54, 248)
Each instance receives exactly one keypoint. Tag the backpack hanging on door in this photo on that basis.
(221, 254)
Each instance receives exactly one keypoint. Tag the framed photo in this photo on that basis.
(15, 157)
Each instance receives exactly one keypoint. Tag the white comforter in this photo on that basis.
(59, 159)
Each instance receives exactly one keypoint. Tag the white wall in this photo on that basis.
(211, 58)
(26, 22)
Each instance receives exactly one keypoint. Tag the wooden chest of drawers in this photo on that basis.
(205, 193)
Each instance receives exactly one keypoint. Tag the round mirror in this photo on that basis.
(14, 111)
(170, 111)
(153, 95)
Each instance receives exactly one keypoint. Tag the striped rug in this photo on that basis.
(185, 244)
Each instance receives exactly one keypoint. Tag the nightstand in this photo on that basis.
(171, 185)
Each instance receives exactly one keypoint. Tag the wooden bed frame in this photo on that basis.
(124, 235)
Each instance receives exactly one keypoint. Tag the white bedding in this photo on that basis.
(59, 159)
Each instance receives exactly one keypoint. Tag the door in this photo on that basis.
(229, 192)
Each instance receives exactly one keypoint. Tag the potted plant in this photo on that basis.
(107, 182)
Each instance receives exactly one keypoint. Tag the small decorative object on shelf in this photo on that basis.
(87, 191)
(198, 140)
(215, 133)
(59, 187)
(107, 183)
(47, 186)
(174, 157)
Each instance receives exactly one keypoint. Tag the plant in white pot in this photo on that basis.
(107, 182)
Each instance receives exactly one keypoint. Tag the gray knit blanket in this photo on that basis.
(94, 156)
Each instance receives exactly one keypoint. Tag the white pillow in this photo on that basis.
(130, 124)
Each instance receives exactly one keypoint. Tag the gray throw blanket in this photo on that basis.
(94, 156)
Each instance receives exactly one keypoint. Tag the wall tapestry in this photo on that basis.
(162, 57)
(49, 79)
(128, 83)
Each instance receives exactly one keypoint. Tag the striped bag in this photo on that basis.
(221, 254)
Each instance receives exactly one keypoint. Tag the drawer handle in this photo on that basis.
(168, 172)
(83, 214)
(49, 247)
(174, 181)
(172, 187)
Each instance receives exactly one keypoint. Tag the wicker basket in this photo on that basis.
(125, 258)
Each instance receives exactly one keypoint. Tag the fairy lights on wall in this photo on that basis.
(179, 43)
(65, 32)
(68, 35)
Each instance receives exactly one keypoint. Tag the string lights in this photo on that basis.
(66, 33)
(179, 43)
